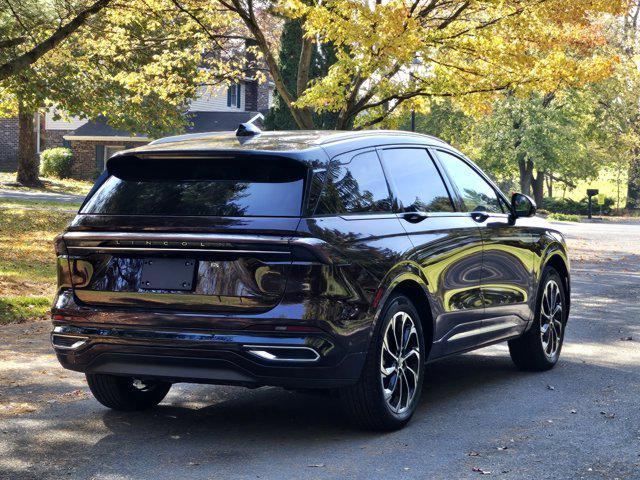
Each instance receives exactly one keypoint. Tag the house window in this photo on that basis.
(103, 153)
(234, 93)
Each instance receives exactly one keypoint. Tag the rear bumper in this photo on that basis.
(310, 360)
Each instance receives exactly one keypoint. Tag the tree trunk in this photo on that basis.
(28, 163)
(526, 173)
(633, 185)
(302, 116)
(538, 188)
(550, 185)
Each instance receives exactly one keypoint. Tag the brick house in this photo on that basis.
(92, 142)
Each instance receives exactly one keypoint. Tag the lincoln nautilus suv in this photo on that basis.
(336, 261)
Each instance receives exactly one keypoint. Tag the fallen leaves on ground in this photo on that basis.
(481, 471)
(16, 408)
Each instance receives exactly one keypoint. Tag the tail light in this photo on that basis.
(60, 247)
(63, 268)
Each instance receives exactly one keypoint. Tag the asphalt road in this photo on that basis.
(478, 414)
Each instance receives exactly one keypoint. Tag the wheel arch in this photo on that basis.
(414, 287)
(557, 259)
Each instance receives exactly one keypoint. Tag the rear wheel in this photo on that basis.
(539, 348)
(127, 393)
(389, 388)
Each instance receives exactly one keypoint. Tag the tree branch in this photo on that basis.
(453, 16)
(18, 64)
(12, 42)
(304, 65)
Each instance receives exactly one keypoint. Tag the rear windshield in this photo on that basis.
(229, 187)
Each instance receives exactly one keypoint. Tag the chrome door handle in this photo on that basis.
(414, 217)
(479, 216)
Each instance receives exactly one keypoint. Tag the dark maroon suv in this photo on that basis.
(324, 260)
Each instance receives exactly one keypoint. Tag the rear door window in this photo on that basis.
(356, 186)
(233, 187)
(415, 180)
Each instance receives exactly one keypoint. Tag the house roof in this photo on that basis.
(100, 130)
(198, 122)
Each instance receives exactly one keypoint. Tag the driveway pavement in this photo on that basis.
(38, 196)
(478, 414)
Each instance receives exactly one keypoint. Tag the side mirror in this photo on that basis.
(522, 206)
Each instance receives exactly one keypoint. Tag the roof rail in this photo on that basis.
(346, 135)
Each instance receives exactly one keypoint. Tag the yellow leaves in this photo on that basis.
(471, 49)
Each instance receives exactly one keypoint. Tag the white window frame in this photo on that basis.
(234, 101)
(107, 156)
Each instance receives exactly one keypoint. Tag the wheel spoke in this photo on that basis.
(399, 406)
(393, 385)
(402, 333)
(411, 339)
(386, 371)
(397, 340)
(408, 389)
(386, 349)
(556, 310)
(411, 373)
(414, 352)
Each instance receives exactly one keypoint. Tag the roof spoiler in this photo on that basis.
(248, 129)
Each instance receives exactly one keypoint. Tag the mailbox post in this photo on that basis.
(590, 193)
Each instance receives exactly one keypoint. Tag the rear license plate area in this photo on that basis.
(168, 274)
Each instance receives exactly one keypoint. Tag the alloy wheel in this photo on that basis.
(551, 319)
(400, 362)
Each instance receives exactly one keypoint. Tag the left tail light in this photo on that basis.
(63, 268)
(59, 245)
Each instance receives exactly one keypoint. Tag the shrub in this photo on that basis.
(564, 217)
(56, 162)
(573, 207)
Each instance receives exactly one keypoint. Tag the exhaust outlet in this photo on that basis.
(277, 353)
(67, 342)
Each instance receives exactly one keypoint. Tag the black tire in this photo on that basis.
(126, 393)
(528, 351)
(365, 402)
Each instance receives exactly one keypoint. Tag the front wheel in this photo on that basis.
(389, 388)
(126, 393)
(539, 348)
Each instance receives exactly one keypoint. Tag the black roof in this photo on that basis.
(311, 147)
(100, 128)
(283, 141)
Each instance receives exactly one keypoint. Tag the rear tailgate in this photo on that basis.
(206, 233)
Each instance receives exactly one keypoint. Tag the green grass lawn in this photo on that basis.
(607, 182)
(52, 185)
(27, 258)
